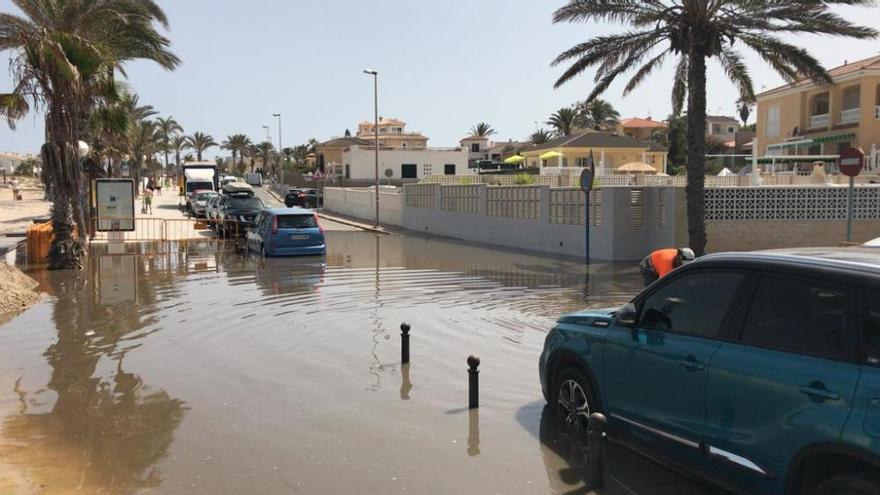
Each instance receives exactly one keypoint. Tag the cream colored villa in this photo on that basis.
(392, 134)
(610, 152)
(803, 122)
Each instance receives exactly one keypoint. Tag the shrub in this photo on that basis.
(524, 180)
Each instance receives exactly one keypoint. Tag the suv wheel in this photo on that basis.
(848, 484)
(574, 399)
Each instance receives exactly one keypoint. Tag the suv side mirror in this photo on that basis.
(626, 315)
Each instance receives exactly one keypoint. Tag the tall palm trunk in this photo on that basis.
(696, 155)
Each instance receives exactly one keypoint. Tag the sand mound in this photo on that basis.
(17, 290)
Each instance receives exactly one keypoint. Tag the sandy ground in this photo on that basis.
(15, 216)
(17, 290)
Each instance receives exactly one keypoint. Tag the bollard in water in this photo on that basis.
(596, 453)
(473, 382)
(404, 343)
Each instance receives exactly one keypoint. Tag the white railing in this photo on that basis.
(850, 115)
(819, 121)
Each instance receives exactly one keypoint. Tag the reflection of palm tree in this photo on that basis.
(109, 432)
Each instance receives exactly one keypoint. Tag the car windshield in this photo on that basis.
(297, 222)
(194, 186)
(245, 203)
(205, 196)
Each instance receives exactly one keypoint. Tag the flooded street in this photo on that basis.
(195, 369)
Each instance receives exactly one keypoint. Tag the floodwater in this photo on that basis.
(191, 368)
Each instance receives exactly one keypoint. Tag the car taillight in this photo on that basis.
(302, 195)
(318, 222)
(274, 225)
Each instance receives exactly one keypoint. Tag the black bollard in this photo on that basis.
(596, 453)
(404, 343)
(473, 382)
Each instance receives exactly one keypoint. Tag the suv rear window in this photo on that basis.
(297, 222)
(798, 315)
(245, 202)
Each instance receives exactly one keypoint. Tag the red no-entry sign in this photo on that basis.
(851, 161)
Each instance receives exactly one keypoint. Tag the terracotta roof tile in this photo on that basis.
(871, 63)
(639, 122)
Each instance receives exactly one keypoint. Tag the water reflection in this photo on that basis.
(106, 428)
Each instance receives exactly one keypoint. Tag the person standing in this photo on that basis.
(662, 261)
(148, 201)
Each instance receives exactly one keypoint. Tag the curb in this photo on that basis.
(354, 224)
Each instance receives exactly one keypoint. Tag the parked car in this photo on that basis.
(756, 371)
(287, 232)
(237, 212)
(301, 196)
(200, 201)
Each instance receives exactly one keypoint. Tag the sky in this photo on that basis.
(443, 66)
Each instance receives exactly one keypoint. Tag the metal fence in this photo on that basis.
(165, 229)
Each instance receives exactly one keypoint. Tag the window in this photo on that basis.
(296, 222)
(852, 97)
(475, 147)
(820, 104)
(843, 146)
(716, 129)
(426, 170)
(730, 130)
(347, 171)
(798, 315)
(449, 169)
(772, 127)
(871, 328)
(692, 305)
(409, 171)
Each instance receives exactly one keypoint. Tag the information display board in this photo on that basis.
(114, 205)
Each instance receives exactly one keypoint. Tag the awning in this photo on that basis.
(515, 159)
(799, 159)
(635, 168)
(817, 140)
(550, 154)
(834, 138)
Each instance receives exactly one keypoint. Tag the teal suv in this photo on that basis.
(759, 372)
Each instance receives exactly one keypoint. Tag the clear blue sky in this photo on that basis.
(443, 67)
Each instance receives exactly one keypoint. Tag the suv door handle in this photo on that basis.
(690, 363)
(819, 393)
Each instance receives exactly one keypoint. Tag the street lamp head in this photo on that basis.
(276, 115)
(371, 72)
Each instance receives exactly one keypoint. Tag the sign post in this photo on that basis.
(587, 178)
(851, 162)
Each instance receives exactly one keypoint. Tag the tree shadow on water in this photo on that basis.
(107, 429)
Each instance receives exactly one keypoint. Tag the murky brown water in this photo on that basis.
(198, 370)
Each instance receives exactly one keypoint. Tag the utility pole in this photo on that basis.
(375, 75)
(279, 141)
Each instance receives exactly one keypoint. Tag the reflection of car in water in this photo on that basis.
(755, 371)
(289, 275)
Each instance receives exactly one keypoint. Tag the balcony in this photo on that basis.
(820, 121)
(850, 116)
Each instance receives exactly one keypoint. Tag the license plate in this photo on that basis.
(299, 237)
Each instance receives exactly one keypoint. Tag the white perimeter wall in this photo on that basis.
(428, 162)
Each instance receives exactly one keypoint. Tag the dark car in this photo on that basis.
(304, 197)
(759, 372)
(237, 213)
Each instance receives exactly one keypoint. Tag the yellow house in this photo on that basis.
(610, 151)
(392, 134)
(803, 122)
(642, 129)
(328, 155)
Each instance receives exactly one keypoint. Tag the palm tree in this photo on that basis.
(598, 114)
(482, 130)
(540, 136)
(265, 149)
(200, 142)
(745, 110)
(237, 144)
(145, 139)
(564, 121)
(65, 53)
(253, 151)
(693, 31)
(168, 128)
(179, 144)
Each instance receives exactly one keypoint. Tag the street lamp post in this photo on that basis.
(375, 75)
(279, 140)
